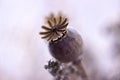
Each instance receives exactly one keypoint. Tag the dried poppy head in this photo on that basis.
(65, 45)
(56, 27)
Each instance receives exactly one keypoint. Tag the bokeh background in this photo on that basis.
(23, 53)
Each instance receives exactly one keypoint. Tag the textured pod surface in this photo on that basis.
(68, 48)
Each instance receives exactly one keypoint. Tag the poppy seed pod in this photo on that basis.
(68, 48)
(65, 45)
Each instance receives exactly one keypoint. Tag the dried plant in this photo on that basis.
(62, 71)
(65, 46)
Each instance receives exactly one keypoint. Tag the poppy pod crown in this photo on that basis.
(56, 27)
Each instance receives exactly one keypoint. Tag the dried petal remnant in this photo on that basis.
(56, 27)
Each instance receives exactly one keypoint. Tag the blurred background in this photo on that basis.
(23, 53)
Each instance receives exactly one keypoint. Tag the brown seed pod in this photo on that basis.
(64, 44)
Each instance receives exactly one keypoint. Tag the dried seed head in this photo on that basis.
(57, 27)
(65, 45)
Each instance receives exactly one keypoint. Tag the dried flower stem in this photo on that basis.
(81, 69)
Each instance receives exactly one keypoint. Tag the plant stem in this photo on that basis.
(81, 69)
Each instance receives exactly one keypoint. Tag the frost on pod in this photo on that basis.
(65, 45)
